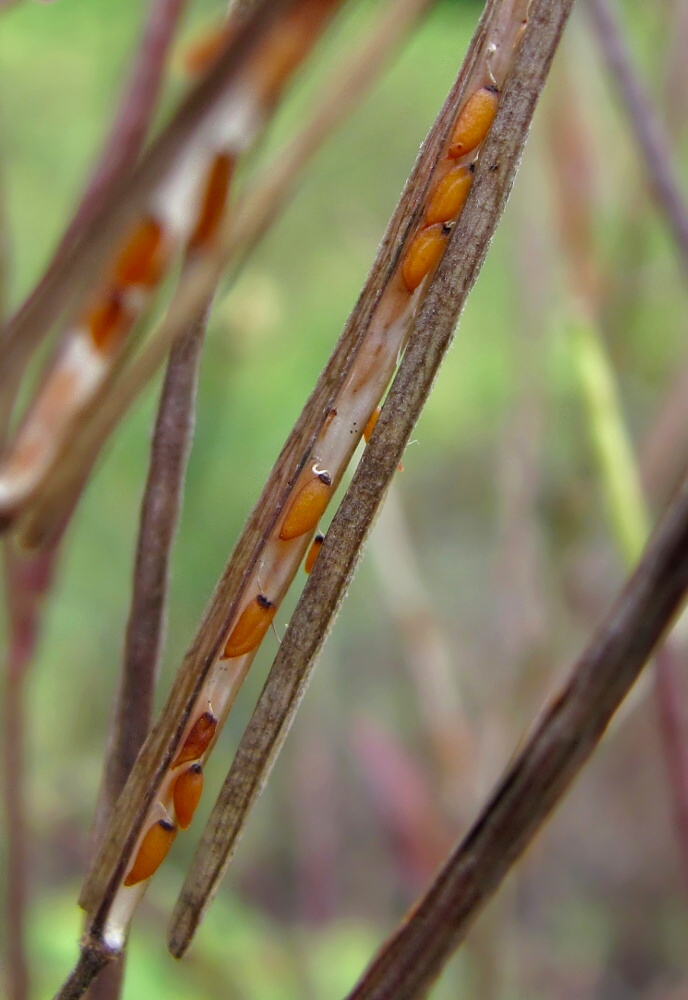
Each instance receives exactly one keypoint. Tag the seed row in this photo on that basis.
(183, 214)
(352, 416)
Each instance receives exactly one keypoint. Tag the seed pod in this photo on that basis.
(448, 196)
(152, 852)
(313, 552)
(141, 260)
(252, 625)
(213, 202)
(307, 507)
(198, 740)
(187, 794)
(423, 255)
(474, 121)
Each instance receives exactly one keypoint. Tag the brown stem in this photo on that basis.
(16, 836)
(567, 733)
(79, 264)
(160, 511)
(126, 136)
(648, 133)
(159, 517)
(26, 582)
(329, 580)
(672, 730)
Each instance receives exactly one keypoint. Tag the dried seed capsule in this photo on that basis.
(214, 201)
(107, 321)
(198, 740)
(313, 552)
(187, 794)
(474, 121)
(447, 197)
(152, 852)
(370, 426)
(423, 255)
(141, 259)
(252, 625)
(307, 507)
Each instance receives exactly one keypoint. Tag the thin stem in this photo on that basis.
(160, 509)
(430, 339)
(648, 133)
(565, 736)
(255, 212)
(77, 267)
(126, 136)
(16, 833)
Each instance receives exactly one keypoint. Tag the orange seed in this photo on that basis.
(307, 507)
(447, 197)
(252, 625)
(152, 852)
(313, 552)
(214, 200)
(187, 794)
(198, 740)
(141, 259)
(474, 121)
(370, 426)
(106, 321)
(203, 50)
(423, 255)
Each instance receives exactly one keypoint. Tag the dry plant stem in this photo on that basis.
(127, 133)
(159, 517)
(145, 629)
(670, 699)
(648, 133)
(152, 771)
(80, 263)
(252, 218)
(430, 338)
(344, 90)
(15, 897)
(563, 739)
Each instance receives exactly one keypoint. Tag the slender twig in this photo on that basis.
(127, 133)
(80, 262)
(565, 736)
(670, 699)
(13, 740)
(159, 516)
(118, 156)
(322, 596)
(650, 138)
(343, 91)
(160, 510)
(619, 475)
(255, 212)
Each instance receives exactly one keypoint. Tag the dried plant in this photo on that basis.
(165, 221)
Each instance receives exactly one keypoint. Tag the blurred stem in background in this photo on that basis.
(619, 475)
(629, 522)
(29, 576)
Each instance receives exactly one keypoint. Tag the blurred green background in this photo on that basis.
(499, 538)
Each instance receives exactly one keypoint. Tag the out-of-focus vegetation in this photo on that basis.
(503, 513)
